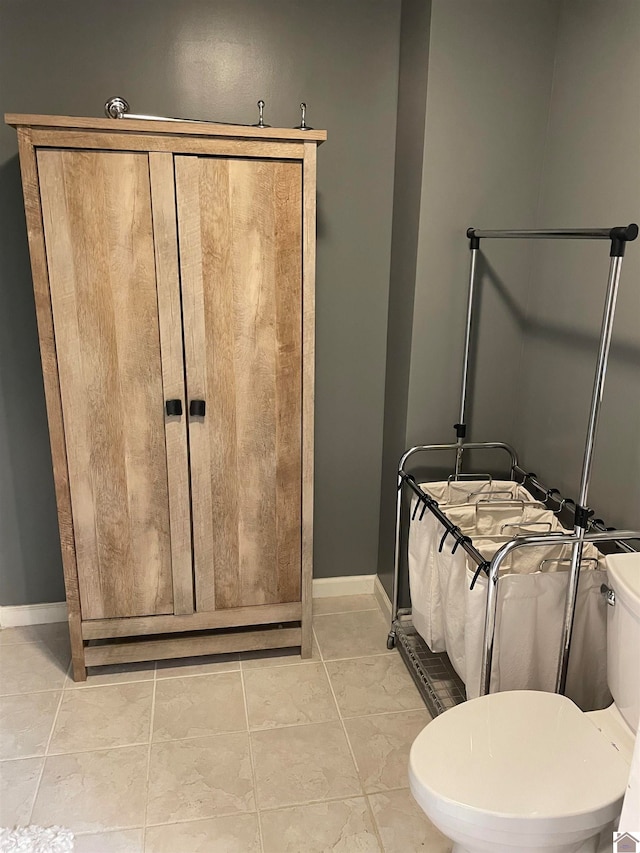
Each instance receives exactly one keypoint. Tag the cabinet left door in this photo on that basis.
(99, 236)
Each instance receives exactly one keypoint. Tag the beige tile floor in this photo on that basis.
(252, 753)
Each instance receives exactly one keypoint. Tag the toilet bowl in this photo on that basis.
(525, 771)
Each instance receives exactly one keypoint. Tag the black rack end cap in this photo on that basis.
(474, 242)
(461, 430)
(624, 232)
(582, 516)
(620, 236)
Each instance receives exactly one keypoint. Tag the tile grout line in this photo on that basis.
(280, 665)
(67, 689)
(359, 657)
(32, 692)
(216, 734)
(280, 808)
(91, 749)
(48, 744)
(353, 757)
(101, 686)
(87, 833)
(318, 722)
(367, 798)
(197, 675)
(182, 820)
(329, 660)
(98, 749)
(254, 780)
(146, 787)
(304, 803)
(389, 713)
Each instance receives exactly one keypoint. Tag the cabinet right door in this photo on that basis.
(240, 242)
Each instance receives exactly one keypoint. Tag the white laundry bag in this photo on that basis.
(462, 498)
(452, 568)
(529, 619)
(531, 594)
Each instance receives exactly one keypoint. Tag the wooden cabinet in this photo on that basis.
(173, 268)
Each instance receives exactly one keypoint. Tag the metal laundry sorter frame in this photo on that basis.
(585, 529)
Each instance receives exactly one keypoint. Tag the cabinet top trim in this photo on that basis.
(174, 128)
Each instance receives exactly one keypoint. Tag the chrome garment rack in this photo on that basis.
(585, 528)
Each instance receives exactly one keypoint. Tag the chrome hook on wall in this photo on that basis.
(303, 118)
(260, 122)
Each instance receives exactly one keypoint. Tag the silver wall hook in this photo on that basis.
(116, 107)
(260, 122)
(303, 122)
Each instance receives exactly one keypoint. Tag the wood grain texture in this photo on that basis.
(209, 145)
(98, 233)
(37, 251)
(174, 128)
(261, 614)
(286, 281)
(308, 388)
(244, 222)
(165, 237)
(78, 663)
(240, 253)
(190, 224)
(182, 647)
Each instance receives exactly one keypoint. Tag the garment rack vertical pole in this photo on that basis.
(619, 236)
(461, 426)
(582, 512)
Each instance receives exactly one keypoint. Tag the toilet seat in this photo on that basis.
(518, 761)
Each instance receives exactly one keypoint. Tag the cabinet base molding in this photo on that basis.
(182, 647)
(132, 626)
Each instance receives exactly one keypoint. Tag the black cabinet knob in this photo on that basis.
(173, 407)
(197, 408)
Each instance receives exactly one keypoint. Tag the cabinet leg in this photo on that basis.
(306, 625)
(79, 670)
(306, 648)
(77, 648)
(306, 617)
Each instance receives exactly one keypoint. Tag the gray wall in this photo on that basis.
(591, 176)
(487, 96)
(528, 116)
(490, 69)
(412, 99)
(214, 59)
(532, 120)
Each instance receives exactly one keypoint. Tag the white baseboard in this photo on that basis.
(33, 614)
(350, 585)
(39, 614)
(383, 599)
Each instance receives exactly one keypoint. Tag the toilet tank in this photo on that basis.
(623, 635)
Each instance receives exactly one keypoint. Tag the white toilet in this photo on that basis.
(525, 771)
